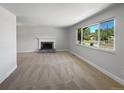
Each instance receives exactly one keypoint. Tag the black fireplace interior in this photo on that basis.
(46, 45)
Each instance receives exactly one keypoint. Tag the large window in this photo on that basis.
(107, 34)
(90, 35)
(100, 35)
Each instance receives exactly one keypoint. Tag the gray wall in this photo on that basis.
(27, 42)
(66, 38)
(113, 63)
(7, 43)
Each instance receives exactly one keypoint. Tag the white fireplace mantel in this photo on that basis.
(45, 39)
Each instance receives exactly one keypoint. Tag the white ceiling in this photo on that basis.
(54, 14)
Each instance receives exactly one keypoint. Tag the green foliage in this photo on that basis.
(86, 33)
(106, 34)
(95, 35)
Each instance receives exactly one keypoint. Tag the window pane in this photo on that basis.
(90, 35)
(107, 34)
(79, 36)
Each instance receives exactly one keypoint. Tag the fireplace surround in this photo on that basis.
(46, 44)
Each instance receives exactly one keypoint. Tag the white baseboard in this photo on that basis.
(37, 50)
(2, 78)
(25, 51)
(114, 77)
(62, 50)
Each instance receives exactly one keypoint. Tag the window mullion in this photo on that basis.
(81, 36)
(99, 36)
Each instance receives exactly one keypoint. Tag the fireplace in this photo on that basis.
(46, 45)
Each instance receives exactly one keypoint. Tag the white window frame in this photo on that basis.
(112, 51)
(77, 37)
(98, 33)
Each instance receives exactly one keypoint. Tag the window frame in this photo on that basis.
(112, 51)
(77, 36)
(98, 33)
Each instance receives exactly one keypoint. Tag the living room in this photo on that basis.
(61, 46)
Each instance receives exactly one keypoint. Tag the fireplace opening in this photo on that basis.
(47, 47)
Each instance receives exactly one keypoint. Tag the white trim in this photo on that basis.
(27, 51)
(110, 51)
(98, 36)
(62, 50)
(114, 77)
(114, 48)
(7, 74)
(46, 39)
(77, 36)
(37, 50)
(98, 22)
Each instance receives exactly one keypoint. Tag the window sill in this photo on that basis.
(110, 51)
